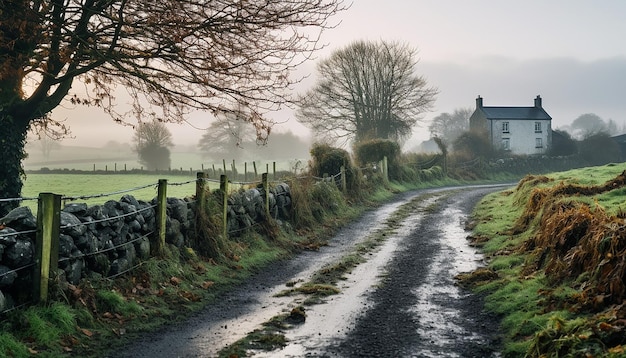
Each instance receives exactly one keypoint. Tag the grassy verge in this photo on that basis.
(557, 249)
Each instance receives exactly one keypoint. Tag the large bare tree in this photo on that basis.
(226, 136)
(171, 56)
(367, 90)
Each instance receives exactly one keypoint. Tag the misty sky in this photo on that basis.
(571, 52)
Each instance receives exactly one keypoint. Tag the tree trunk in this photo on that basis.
(12, 141)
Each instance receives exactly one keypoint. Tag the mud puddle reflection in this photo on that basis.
(328, 322)
(439, 323)
(262, 305)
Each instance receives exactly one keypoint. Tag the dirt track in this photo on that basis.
(401, 303)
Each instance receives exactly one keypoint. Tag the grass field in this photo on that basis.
(88, 159)
(116, 161)
(72, 185)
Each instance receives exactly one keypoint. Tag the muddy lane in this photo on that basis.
(416, 310)
(402, 302)
(240, 311)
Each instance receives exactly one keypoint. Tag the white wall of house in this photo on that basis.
(521, 136)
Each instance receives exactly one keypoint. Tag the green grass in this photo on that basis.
(73, 185)
(85, 158)
(42, 327)
(114, 302)
(10, 346)
(590, 175)
(532, 320)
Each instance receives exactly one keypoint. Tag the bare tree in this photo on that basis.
(367, 90)
(225, 138)
(47, 138)
(171, 56)
(590, 124)
(152, 141)
(449, 126)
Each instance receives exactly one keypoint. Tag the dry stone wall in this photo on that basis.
(110, 239)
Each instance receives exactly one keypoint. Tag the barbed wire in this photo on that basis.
(470, 163)
(426, 163)
(151, 206)
(28, 303)
(84, 197)
(244, 228)
(16, 199)
(18, 233)
(107, 249)
(18, 269)
(211, 180)
(183, 183)
(125, 271)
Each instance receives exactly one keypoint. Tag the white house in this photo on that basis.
(520, 130)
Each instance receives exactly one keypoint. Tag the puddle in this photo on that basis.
(438, 322)
(264, 304)
(329, 322)
(248, 307)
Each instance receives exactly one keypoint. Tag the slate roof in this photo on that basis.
(531, 113)
(619, 138)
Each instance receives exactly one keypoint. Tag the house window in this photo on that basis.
(506, 144)
(505, 127)
(538, 143)
(537, 127)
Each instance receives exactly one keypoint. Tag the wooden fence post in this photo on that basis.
(344, 187)
(200, 192)
(224, 165)
(266, 189)
(385, 168)
(161, 215)
(274, 170)
(200, 203)
(224, 190)
(245, 172)
(47, 245)
(256, 174)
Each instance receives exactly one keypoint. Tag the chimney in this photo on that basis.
(538, 102)
(479, 102)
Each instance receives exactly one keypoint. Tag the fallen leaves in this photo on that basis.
(86, 332)
(175, 280)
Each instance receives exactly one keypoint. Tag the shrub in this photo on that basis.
(329, 160)
(471, 145)
(374, 150)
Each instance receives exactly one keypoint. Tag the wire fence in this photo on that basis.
(49, 227)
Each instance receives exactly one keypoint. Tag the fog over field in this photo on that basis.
(570, 52)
